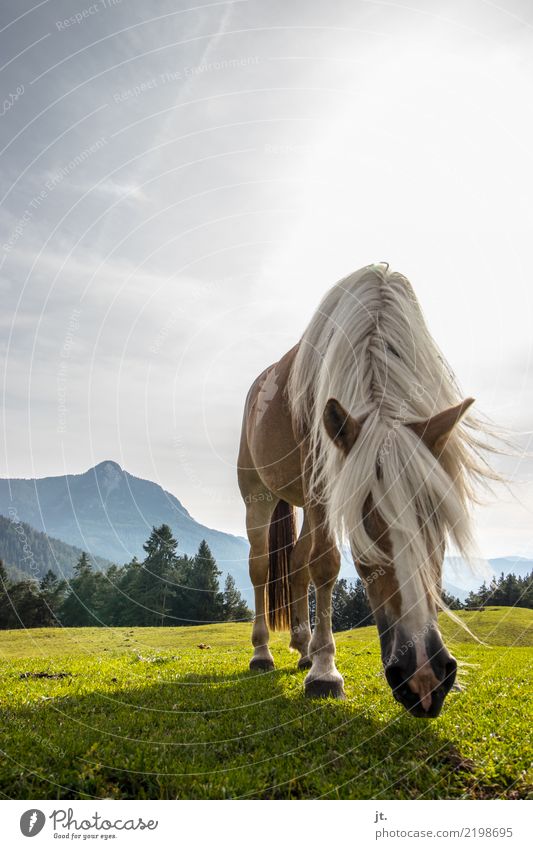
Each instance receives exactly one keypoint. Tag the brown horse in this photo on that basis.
(361, 425)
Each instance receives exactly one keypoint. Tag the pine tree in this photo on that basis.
(53, 592)
(116, 601)
(4, 596)
(452, 602)
(81, 605)
(479, 598)
(206, 600)
(155, 580)
(235, 607)
(26, 608)
(339, 606)
(4, 580)
(360, 612)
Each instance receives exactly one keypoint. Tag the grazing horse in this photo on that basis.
(361, 424)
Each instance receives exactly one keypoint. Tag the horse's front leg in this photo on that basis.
(323, 679)
(257, 521)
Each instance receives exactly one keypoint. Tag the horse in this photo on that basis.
(362, 425)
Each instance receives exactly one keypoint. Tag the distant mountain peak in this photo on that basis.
(107, 467)
(109, 476)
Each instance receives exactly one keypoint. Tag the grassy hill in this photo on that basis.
(146, 713)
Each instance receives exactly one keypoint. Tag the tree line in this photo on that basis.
(166, 588)
(351, 609)
(506, 591)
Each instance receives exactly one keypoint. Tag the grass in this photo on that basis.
(146, 713)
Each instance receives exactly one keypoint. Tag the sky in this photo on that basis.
(180, 185)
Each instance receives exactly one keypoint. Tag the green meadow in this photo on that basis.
(174, 713)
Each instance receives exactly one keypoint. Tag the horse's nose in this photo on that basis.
(423, 691)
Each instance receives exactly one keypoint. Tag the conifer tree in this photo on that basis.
(53, 592)
(207, 602)
(155, 582)
(235, 607)
(80, 607)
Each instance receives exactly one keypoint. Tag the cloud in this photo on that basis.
(241, 173)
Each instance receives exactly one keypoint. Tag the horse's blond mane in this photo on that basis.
(368, 346)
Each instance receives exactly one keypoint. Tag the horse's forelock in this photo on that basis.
(368, 346)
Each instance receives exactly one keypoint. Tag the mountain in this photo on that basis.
(519, 566)
(26, 552)
(459, 577)
(110, 513)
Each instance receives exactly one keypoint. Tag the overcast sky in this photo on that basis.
(181, 184)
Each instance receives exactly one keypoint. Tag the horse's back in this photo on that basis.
(269, 451)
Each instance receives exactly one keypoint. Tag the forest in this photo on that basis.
(168, 588)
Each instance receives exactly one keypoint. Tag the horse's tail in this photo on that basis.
(281, 539)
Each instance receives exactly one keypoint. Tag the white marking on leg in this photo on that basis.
(322, 645)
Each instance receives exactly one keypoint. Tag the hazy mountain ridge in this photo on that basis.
(26, 552)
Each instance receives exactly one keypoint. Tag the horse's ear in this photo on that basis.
(341, 427)
(434, 432)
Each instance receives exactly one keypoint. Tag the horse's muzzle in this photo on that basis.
(420, 676)
(399, 680)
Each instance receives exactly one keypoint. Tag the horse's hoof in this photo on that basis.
(262, 664)
(318, 689)
(305, 663)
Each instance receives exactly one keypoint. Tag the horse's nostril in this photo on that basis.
(397, 680)
(450, 672)
(451, 667)
(394, 676)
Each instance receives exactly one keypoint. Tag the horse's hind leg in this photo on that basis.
(299, 581)
(258, 516)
